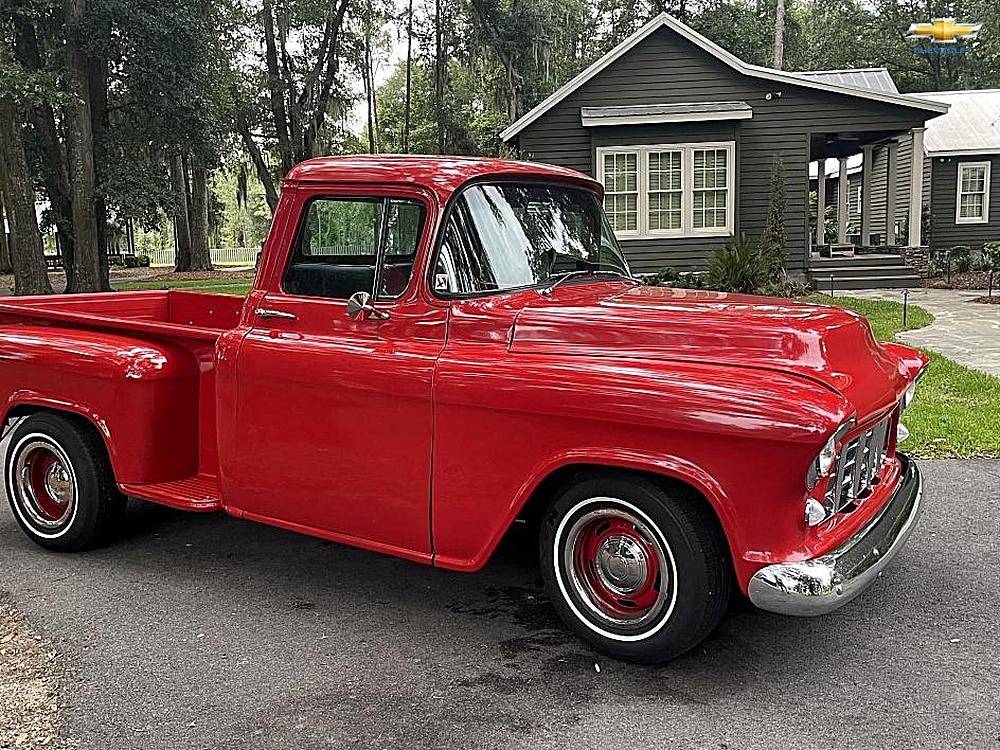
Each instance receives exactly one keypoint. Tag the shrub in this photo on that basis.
(666, 276)
(961, 258)
(991, 261)
(772, 240)
(671, 277)
(738, 267)
(946, 260)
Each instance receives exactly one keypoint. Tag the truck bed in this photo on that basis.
(140, 366)
(175, 313)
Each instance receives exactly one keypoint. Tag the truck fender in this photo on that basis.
(141, 396)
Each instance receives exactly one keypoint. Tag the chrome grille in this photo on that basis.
(859, 461)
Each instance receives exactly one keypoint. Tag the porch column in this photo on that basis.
(821, 202)
(916, 188)
(891, 175)
(842, 215)
(866, 195)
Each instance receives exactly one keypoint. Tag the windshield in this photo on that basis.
(508, 236)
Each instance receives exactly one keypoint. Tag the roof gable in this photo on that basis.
(665, 20)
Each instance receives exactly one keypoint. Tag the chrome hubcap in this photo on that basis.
(621, 564)
(44, 484)
(57, 483)
(617, 569)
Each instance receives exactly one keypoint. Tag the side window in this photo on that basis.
(345, 244)
(405, 221)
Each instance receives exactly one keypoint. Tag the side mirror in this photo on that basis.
(360, 307)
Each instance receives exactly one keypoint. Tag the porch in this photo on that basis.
(866, 186)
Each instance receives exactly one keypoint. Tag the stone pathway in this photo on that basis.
(965, 331)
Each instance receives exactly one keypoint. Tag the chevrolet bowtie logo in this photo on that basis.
(944, 31)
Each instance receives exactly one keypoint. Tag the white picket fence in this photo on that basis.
(221, 256)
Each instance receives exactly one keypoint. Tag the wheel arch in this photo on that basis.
(19, 408)
(541, 488)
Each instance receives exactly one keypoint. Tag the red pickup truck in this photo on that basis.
(435, 348)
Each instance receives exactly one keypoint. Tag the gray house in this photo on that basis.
(683, 136)
(962, 169)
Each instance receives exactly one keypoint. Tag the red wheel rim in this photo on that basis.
(618, 567)
(42, 464)
(44, 484)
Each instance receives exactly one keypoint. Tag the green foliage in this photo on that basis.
(947, 260)
(738, 267)
(956, 413)
(671, 277)
(772, 241)
(991, 262)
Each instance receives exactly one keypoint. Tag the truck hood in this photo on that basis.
(826, 344)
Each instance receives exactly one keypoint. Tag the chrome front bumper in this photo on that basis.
(821, 585)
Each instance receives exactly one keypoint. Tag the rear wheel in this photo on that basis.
(637, 569)
(59, 483)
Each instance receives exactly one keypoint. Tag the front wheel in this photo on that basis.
(59, 483)
(637, 569)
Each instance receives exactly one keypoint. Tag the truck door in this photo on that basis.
(334, 413)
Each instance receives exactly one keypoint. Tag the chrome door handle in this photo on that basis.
(265, 313)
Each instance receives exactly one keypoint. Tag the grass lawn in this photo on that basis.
(214, 286)
(956, 413)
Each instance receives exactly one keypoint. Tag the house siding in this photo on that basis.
(944, 187)
(666, 68)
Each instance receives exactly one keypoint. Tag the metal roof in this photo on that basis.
(654, 113)
(972, 125)
(871, 79)
(665, 20)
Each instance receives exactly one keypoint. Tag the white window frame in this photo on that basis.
(687, 150)
(639, 190)
(985, 218)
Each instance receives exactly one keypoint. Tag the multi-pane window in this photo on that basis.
(664, 190)
(973, 205)
(711, 188)
(621, 191)
(676, 189)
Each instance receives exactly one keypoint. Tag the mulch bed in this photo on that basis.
(31, 685)
(968, 280)
(994, 300)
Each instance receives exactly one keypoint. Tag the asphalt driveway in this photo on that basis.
(208, 632)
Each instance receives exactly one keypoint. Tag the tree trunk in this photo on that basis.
(87, 274)
(276, 90)
(201, 257)
(369, 96)
(97, 79)
(182, 225)
(259, 165)
(409, 69)
(779, 35)
(27, 254)
(55, 175)
(5, 266)
(439, 76)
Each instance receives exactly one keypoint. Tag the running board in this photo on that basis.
(199, 493)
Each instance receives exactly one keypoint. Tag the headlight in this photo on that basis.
(827, 458)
